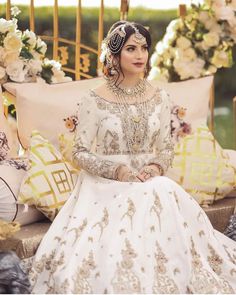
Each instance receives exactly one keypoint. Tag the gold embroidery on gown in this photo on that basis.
(103, 223)
(125, 280)
(78, 230)
(162, 282)
(130, 212)
(80, 279)
(202, 281)
(157, 207)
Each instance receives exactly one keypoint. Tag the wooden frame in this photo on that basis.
(58, 50)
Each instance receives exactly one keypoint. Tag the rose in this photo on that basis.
(29, 38)
(220, 59)
(10, 57)
(7, 26)
(12, 42)
(2, 72)
(183, 42)
(211, 39)
(16, 71)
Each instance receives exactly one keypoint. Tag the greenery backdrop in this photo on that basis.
(157, 21)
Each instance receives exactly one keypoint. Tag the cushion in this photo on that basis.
(26, 241)
(49, 181)
(193, 95)
(201, 167)
(11, 174)
(7, 148)
(50, 109)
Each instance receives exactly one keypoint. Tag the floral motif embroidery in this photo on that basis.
(103, 223)
(157, 207)
(162, 282)
(4, 147)
(130, 212)
(202, 281)
(50, 264)
(111, 143)
(214, 260)
(179, 128)
(125, 280)
(80, 279)
(78, 230)
(71, 123)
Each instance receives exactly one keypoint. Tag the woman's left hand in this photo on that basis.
(148, 172)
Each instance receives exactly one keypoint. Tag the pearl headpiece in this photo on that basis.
(114, 41)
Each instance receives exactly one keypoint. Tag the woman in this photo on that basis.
(126, 228)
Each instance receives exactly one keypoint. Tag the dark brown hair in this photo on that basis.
(115, 69)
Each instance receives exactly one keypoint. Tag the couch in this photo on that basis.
(51, 110)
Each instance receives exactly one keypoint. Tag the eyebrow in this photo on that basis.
(134, 45)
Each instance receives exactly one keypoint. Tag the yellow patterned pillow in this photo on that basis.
(201, 167)
(50, 180)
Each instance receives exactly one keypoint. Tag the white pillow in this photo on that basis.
(48, 108)
(11, 175)
(194, 95)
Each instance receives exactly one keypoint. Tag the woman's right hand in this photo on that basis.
(125, 174)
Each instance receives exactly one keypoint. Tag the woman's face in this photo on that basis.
(134, 56)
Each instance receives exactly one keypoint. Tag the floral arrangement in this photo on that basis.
(197, 44)
(22, 55)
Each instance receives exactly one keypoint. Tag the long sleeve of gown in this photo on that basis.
(163, 149)
(85, 136)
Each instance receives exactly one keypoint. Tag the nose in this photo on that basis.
(139, 53)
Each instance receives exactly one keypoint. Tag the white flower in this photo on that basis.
(10, 57)
(222, 11)
(157, 74)
(155, 59)
(161, 47)
(220, 59)
(211, 39)
(183, 42)
(59, 76)
(2, 72)
(7, 26)
(189, 69)
(189, 54)
(12, 42)
(232, 5)
(34, 66)
(41, 46)
(30, 38)
(174, 25)
(16, 71)
(15, 11)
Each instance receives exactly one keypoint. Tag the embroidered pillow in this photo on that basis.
(201, 167)
(50, 109)
(12, 172)
(50, 180)
(7, 148)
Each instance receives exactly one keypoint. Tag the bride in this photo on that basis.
(126, 227)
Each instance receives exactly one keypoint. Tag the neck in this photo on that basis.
(129, 81)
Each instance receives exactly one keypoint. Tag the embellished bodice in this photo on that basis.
(114, 130)
(107, 128)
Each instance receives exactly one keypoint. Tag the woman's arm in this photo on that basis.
(164, 150)
(85, 136)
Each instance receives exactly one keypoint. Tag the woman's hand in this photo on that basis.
(148, 172)
(124, 174)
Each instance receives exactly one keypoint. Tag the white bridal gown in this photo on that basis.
(117, 237)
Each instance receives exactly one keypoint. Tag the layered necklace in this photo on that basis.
(133, 111)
